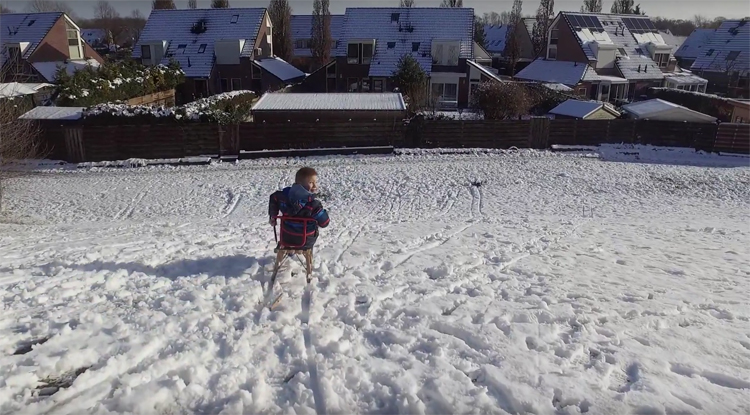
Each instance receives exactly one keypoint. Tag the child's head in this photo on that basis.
(307, 177)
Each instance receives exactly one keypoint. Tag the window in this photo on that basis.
(395, 17)
(256, 72)
(74, 43)
(224, 85)
(235, 18)
(581, 91)
(552, 53)
(445, 92)
(733, 55)
(359, 53)
(377, 85)
(352, 53)
(181, 49)
(146, 51)
(331, 71)
(366, 53)
(414, 46)
(622, 52)
(452, 55)
(352, 84)
(437, 54)
(391, 45)
(300, 43)
(554, 36)
(236, 84)
(604, 92)
(365, 85)
(202, 48)
(662, 59)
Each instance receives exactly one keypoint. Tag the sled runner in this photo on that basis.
(285, 250)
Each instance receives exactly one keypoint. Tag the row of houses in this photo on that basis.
(603, 57)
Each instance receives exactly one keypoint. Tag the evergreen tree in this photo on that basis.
(219, 4)
(281, 17)
(592, 6)
(544, 14)
(320, 33)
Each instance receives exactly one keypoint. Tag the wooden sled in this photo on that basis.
(283, 251)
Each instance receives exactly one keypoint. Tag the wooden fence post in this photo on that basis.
(539, 133)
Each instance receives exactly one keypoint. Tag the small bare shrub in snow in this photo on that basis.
(501, 100)
(19, 140)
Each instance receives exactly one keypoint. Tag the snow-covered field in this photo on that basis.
(561, 285)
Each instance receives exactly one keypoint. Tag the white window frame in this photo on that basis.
(441, 91)
(74, 34)
(549, 52)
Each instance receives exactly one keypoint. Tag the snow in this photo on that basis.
(280, 68)
(348, 101)
(495, 38)
(15, 89)
(695, 43)
(727, 49)
(563, 284)
(28, 28)
(191, 111)
(54, 113)
(49, 69)
(562, 72)
(580, 109)
(659, 109)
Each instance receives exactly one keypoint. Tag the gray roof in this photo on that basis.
(419, 25)
(280, 68)
(695, 44)
(728, 49)
(302, 25)
(672, 40)
(581, 109)
(174, 26)
(25, 27)
(558, 72)
(54, 113)
(279, 101)
(94, 36)
(494, 38)
(617, 33)
(484, 70)
(48, 70)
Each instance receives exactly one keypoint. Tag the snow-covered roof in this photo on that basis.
(494, 38)
(727, 50)
(280, 68)
(279, 101)
(629, 34)
(28, 28)
(15, 89)
(685, 77)
(94, 36)
(695, 44)
(54, 113)
(196, 57)
(484, 70)
(658, 109)
(302, 25)
(674, 41)
(581, 109)
(399, 31)
(557, 72)
(49, 69)
(557, 87)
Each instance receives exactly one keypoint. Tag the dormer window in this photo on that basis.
(391, 45)
(414, 46)
(202, 48)
(75, 49)
(395, 17)
(359, 53)
(181, 49)
(235, 18)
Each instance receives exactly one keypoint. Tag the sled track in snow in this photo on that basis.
(127, 211)
(233, 199)
(477, 203)
(309, 352)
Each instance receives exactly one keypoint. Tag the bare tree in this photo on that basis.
(41, 6)
(544, 14)
(192, 4)
(591, 6)
(109, 20)
(281, 17)
(19, 140)
(406, 3)
(163, 4)
(512, 50)
(495, 19)
(452, 3)
(4, 9)
(701, 21)
(220, 4)
(622, 7)
(321, 33)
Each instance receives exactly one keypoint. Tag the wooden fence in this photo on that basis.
(96, 142)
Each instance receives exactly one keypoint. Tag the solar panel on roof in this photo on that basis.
(574, 21)
(597, 22)
(589, 21)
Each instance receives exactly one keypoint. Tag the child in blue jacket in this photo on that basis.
(298, 201)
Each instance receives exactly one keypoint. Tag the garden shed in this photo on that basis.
(584, 110)
(660, 110)
(280, 107)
